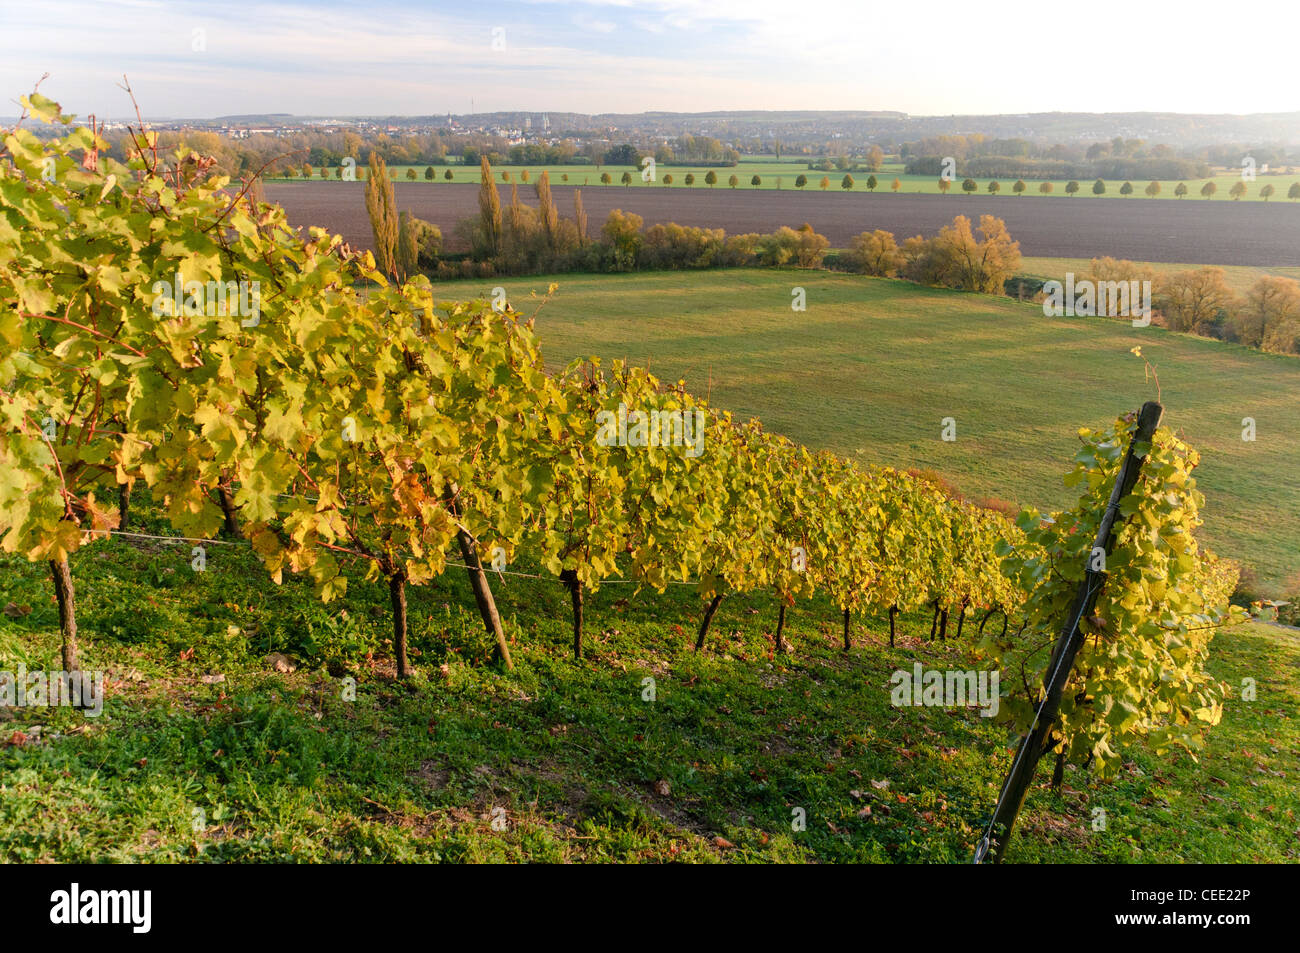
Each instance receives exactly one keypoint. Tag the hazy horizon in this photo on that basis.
(129, 114)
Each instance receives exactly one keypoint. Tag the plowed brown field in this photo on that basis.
(1217, 231)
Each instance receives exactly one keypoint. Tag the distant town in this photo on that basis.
(751, 132)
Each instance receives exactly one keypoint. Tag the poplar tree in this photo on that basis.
(408, 251)
(381, 205)
(489, 207)
(580, 216)
(547, 214)
(516, 213)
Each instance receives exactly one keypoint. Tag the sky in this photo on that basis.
(386, 57)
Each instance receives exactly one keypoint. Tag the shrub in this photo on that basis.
(1271, 305)
(779, 247)
(1289, 614)
(1247, 589)
(874, 253)
(955, 258)
(622, 236)
(681, 246)
(739, 250)
(1111, 273)
(811, 247)
(803, 247)
(1198, 300)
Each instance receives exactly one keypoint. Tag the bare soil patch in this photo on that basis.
(1217, 231)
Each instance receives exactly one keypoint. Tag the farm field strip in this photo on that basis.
(1218, 232)
(787, 171)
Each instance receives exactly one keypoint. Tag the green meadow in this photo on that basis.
(873, 366)
(782, 173)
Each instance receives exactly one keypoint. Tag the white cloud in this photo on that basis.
(592, 24)
(391, 57)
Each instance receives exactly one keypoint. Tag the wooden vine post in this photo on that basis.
(487, 606)
(1035, 744)
(478, 583)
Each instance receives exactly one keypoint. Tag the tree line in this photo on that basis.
(1200, 301)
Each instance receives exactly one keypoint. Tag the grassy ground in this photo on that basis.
(782, 174)
(873, 366)
(561, 760)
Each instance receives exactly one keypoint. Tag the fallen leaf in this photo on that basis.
(280, 663)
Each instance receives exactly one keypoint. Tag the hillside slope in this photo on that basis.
(203, 752)
(873, 366)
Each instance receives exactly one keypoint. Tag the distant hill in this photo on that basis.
(256, 118)
(1183, 130)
